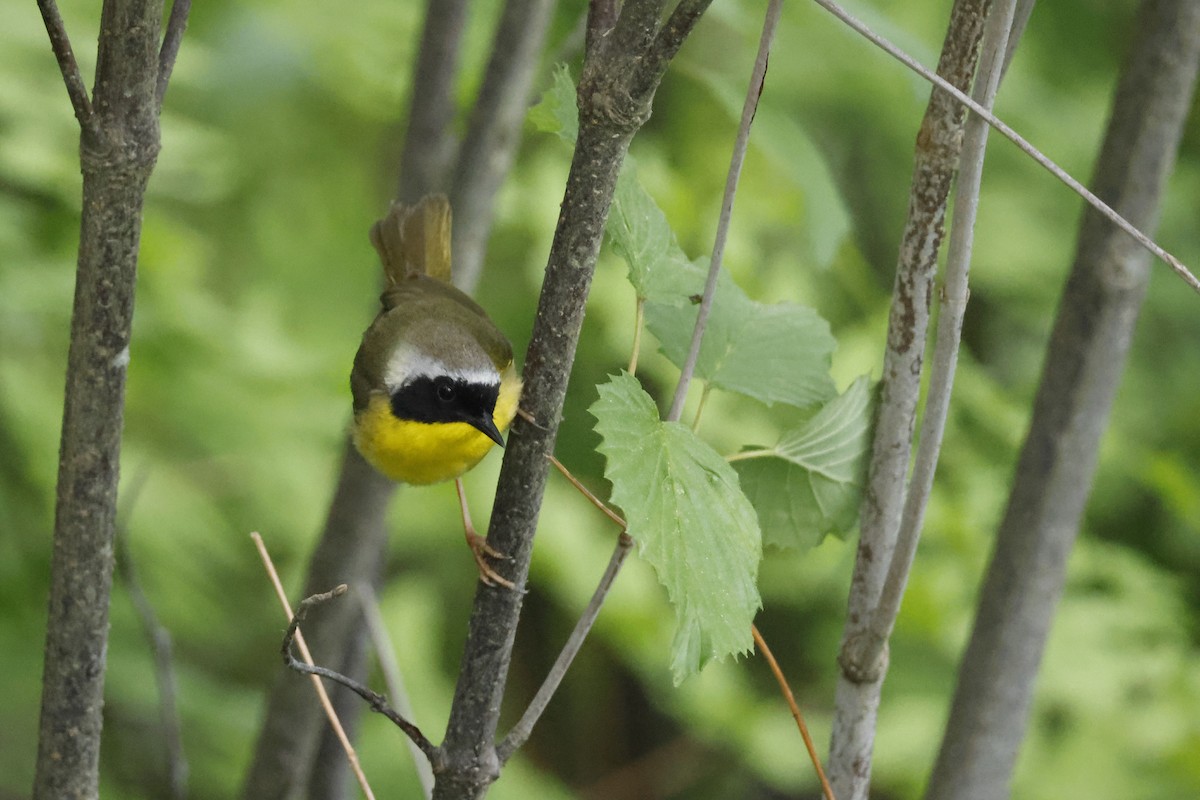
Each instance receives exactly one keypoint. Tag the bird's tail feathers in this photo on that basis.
(415, 240)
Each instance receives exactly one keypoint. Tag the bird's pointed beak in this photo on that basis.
(487, 427)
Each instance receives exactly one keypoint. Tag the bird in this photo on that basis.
(434, 386)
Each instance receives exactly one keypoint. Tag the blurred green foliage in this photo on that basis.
(281, 134)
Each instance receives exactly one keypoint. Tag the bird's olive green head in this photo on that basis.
(437, 358)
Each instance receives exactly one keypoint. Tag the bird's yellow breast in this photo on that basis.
(428, 452)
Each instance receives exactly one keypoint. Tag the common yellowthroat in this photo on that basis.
(433, 382)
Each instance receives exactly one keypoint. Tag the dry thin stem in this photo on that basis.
(791, 701)
(753, 92)
(176, 25)
(392, 677)
(1145, 241)
(322, 695)
(596, 501)
(949, 330)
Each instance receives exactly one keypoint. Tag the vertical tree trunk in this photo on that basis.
(1086, 355)
(117, 154)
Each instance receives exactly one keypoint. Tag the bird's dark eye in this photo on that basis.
(445, 391)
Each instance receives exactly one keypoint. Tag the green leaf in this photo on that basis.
(558, 112)
(810, 484)
(683, 505)
(639, 233)
(778, 353)
(774, 353)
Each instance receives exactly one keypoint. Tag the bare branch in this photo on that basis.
(524, 727)
(634, 28)
(1095, 202)
(376, 701)
(1020, 20)
(176, 25)
(741, 143)
(60, 43)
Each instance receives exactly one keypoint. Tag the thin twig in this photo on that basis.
(322, 695)
(753, 92)
(376, 701)
(949, 329)
(524, 727)
(1145, 241)
(60, 43)
(176, 25)
(791, 701)
(160, 644)
(385, 653)
(596, 501)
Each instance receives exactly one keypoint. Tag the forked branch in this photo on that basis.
(60, 43)
(376, 701)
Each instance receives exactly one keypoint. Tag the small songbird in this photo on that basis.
(433, 382)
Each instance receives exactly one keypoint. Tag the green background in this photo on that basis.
(281, 135)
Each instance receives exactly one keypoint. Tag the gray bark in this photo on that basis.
(939, 143)
(118, 149)
(619, 79)
(1085, 358)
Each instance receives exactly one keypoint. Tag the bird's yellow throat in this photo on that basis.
(428, 452)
